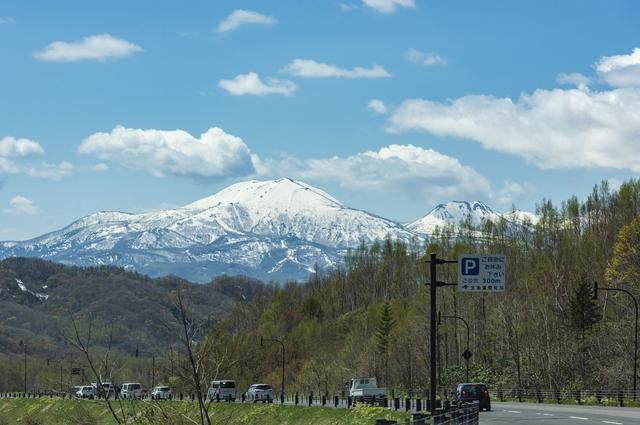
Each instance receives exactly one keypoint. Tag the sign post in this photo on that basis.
(481, 273)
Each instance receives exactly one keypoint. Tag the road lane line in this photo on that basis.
(578, 417)
(513, 411)
(613, 423)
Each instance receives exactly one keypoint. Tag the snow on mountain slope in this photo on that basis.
(279, 226)
(277, 229)
(451, 214)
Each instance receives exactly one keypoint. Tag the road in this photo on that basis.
(553, 414)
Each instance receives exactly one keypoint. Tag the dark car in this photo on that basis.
(473, 392)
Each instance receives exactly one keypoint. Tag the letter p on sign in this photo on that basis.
(470, 266)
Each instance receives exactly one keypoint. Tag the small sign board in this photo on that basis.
(482, 273)
(75, 371)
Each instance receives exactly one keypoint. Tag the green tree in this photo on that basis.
(383, 334)
(625, 264)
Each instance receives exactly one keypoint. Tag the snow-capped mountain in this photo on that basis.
(451, 214)
(269, 229)
(273, 230)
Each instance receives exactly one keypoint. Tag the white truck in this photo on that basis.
(366, 389)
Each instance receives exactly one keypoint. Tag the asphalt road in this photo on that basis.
(552, 414)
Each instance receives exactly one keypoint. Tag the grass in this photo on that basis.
(83, 412)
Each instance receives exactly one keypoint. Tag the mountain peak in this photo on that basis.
(452, 213)
(284, 193)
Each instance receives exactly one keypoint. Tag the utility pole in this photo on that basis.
(282, 344)
(433, 262)
(23, 344)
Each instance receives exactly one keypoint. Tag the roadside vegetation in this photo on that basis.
(75, 412)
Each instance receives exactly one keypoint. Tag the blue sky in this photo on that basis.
(392, 106)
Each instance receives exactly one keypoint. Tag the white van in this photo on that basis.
(224, 389)
(131, 390)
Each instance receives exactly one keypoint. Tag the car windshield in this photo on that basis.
(165, 389)
(475, 390)
(227, 384)
(263, 387)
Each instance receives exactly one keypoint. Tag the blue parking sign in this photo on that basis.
(470, 266)
(482, 273)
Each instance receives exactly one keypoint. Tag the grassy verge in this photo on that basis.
(84, 412)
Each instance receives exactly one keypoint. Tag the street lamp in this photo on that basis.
(24, 347)
(467, 354)
(153, 365)
(59, 361)
(282, 344)
(594, 300)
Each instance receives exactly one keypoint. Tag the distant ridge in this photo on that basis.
(272, 230)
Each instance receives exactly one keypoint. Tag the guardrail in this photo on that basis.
(602, 397)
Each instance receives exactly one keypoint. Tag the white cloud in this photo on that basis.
(251, 84)
(215, 154)
(20, 205)
(388, 6)
(550, 128)
(51, 171)
(312, 69)
(422, 58)
(347, 7)
(377, 106)
(511, 190)
(399, 168)
(101, 167)
(244, 17)
(575, 79)
(11, 147)
(96, 47)
(7, 166)
(7, 20)
(620, 70)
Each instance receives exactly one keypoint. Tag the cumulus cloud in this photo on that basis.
(251, 84)
(388, 6)
(511, 190)
(553, 129)
(7, 166)
(620, 70)
(96, 47)
(244, 17)
(422, 58)
(51, 171)
(19, 205)
(215, 154)
(581, 81)
(400, 168)
(12, 147)
(311, 69)
(377, 106)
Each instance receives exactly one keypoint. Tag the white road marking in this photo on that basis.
(613, 423)
(578, 417)
(544, 414)
(513, 411)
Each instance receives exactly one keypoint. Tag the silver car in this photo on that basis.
(161, 393)
(260, 392)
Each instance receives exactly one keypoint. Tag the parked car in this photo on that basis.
(86, 391)
(260, 392)
(161, 392)
(105, 389)
(473, 392)
(131, 390)
(224, 389)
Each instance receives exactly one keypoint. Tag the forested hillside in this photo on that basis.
(40, 301)
(368, 318)
(371, 318)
